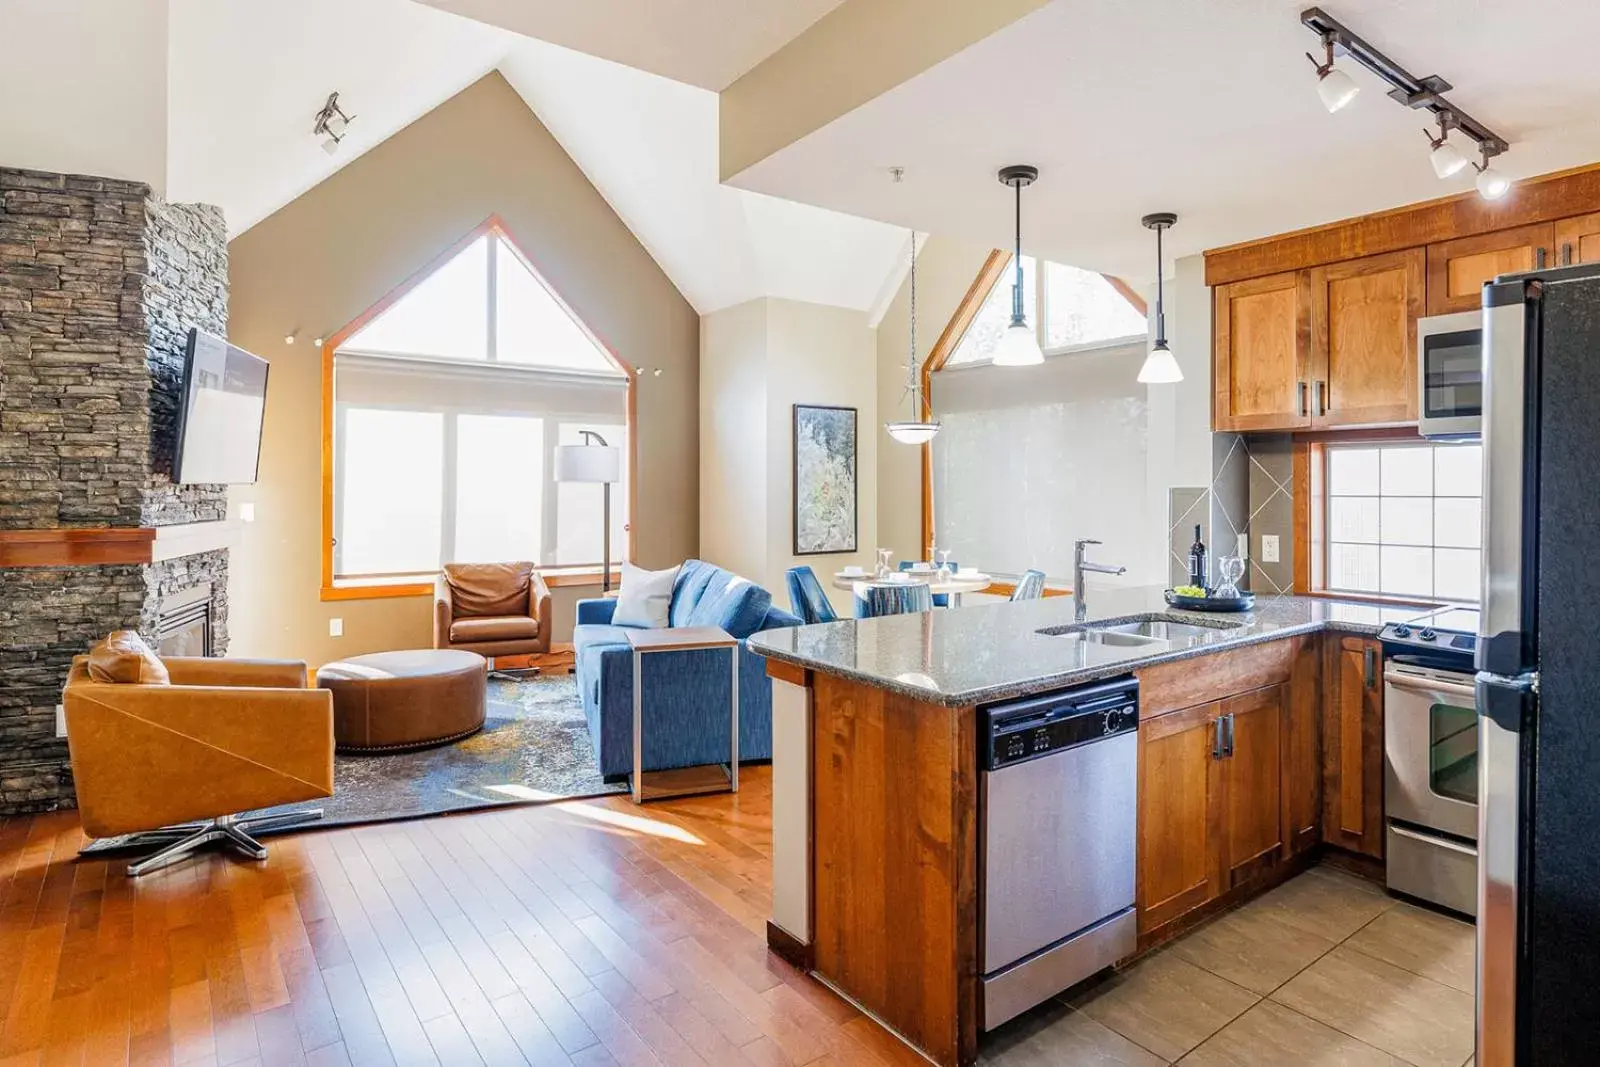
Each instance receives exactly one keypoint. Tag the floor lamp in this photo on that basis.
(593, 461)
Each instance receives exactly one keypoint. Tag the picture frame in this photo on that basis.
(826, 480)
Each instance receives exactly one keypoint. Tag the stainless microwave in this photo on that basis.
(1450, 375)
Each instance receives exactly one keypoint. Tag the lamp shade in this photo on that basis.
(1160, 367)
(1018, 347)
(588, 463)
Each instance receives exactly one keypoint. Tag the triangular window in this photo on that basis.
(484, 303)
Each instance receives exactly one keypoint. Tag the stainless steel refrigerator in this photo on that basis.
(1538, 687)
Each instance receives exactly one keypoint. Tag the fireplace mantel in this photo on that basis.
(78, 546)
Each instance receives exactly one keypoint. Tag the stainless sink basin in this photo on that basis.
(1161, 630)
(1148, 631)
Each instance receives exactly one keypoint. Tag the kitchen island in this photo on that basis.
(876, 871)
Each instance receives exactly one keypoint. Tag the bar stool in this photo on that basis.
(891, 598)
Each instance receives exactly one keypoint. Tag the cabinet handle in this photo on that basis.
(1370, 660)
(1229, 717)
(1566, 254)
(1300, 391)
(1218, 741)
(1538, 258)
(1319, 392)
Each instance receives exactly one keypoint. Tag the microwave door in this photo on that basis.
(1450, 369)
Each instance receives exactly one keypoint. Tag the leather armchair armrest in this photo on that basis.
(251, 673)
(444, 612)
(539, 608)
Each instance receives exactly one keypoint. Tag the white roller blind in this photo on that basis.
(1031, 458)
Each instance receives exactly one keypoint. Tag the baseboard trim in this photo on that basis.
(789, 948)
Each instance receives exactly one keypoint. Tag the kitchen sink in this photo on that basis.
(1161, 630)
(1146, 631)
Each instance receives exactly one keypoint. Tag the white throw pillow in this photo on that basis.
(645, 598)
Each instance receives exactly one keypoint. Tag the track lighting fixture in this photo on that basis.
(1334, 86)
(1160, 366)
(1446, 158)
(1019, 345)
(1425, 93)
(331, 124)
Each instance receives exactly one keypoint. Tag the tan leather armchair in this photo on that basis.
(493, 609)
(225, 736)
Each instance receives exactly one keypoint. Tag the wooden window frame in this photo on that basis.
(989, 275)
(1309, 456)
(494, 225)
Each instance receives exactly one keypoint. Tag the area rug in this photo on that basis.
(534, 748)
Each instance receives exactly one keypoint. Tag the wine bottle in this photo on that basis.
(1197, 561)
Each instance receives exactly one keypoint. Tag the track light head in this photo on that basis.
(1334, 86)
(1446, 158)
(1491, 183)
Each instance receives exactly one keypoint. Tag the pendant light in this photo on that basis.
(1160, 366)
(1019, 345)
(915, 430)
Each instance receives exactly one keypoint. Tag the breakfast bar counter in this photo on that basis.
(876, 727)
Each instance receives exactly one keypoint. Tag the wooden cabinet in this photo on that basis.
(1302, 748)
(1352, 744)
(1178, 835)
(1457, 269)
(1250, 780)
(1577, 240)
(1261, 368)
(1323, 348)
(1363, 340)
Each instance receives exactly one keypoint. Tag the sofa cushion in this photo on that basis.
(591, 636)
(645, 598)
(487, 589)
(123, 657)
(690, 587)
(740, 608)
(494, 628)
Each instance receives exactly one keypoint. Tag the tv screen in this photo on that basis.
(219, 423)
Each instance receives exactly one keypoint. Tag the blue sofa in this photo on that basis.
(685, 693)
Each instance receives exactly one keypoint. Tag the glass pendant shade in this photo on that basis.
(1160, 367)
(912, 433)
(1492, 184)
(1446, 159)
(1336, 88)
(1018, 347)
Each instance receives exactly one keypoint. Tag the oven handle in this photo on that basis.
(1415, 683)
(1429, 839)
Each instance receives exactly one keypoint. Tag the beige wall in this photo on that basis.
(945, 270)
(322, 260)
(758, 360)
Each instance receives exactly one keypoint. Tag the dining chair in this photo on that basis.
(874, 599)
(940, 600)
(807, 596)
(1030, 586)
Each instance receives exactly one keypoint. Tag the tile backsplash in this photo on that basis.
(1251, 492)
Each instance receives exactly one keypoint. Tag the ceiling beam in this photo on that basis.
(855, 53)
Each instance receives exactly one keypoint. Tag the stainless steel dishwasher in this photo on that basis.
(1059, 797)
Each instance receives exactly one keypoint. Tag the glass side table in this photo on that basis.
(681, 639)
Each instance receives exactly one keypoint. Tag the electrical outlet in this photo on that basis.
(335, 627)
(61, 721)
(247, 512)
(1269, 548)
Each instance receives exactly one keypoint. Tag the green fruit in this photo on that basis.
(1192, 591)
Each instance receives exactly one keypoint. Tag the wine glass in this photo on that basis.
(882, 571)
(944, 564)
(1232, 569)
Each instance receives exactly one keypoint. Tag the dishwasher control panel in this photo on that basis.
(1037, 726)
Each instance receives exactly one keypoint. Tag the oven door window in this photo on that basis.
(1452, 375)
(1453, 752)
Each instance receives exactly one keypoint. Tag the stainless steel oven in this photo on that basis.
(1450, 375)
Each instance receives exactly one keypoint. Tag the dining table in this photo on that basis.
(952, 587)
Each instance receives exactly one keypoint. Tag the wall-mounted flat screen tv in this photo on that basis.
(219, 423)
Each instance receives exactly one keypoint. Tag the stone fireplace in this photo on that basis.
(99, 285)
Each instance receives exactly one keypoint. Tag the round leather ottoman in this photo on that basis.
(389, 701)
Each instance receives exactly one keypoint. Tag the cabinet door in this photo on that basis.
(1352, 744)
(1364, 339)
(1302, 749)
(1261, 358)
(1577, 240)
(1251, 797)
(1457, 269)
(1178, 835)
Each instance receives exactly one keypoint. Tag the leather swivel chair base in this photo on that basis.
(173, 843)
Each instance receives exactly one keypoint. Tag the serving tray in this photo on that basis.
(1242, 602)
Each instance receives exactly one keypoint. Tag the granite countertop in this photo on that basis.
(977, 654)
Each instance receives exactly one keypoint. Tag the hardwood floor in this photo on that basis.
(586, 933)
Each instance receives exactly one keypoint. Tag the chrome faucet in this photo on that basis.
(1080, 566)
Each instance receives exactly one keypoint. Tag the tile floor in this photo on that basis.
(1325, 970)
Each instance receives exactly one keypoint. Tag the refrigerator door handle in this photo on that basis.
(1503, 705)
(1505, 446)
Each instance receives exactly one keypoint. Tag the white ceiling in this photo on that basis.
(707, 43)
(1207, 109)
(216, 105)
